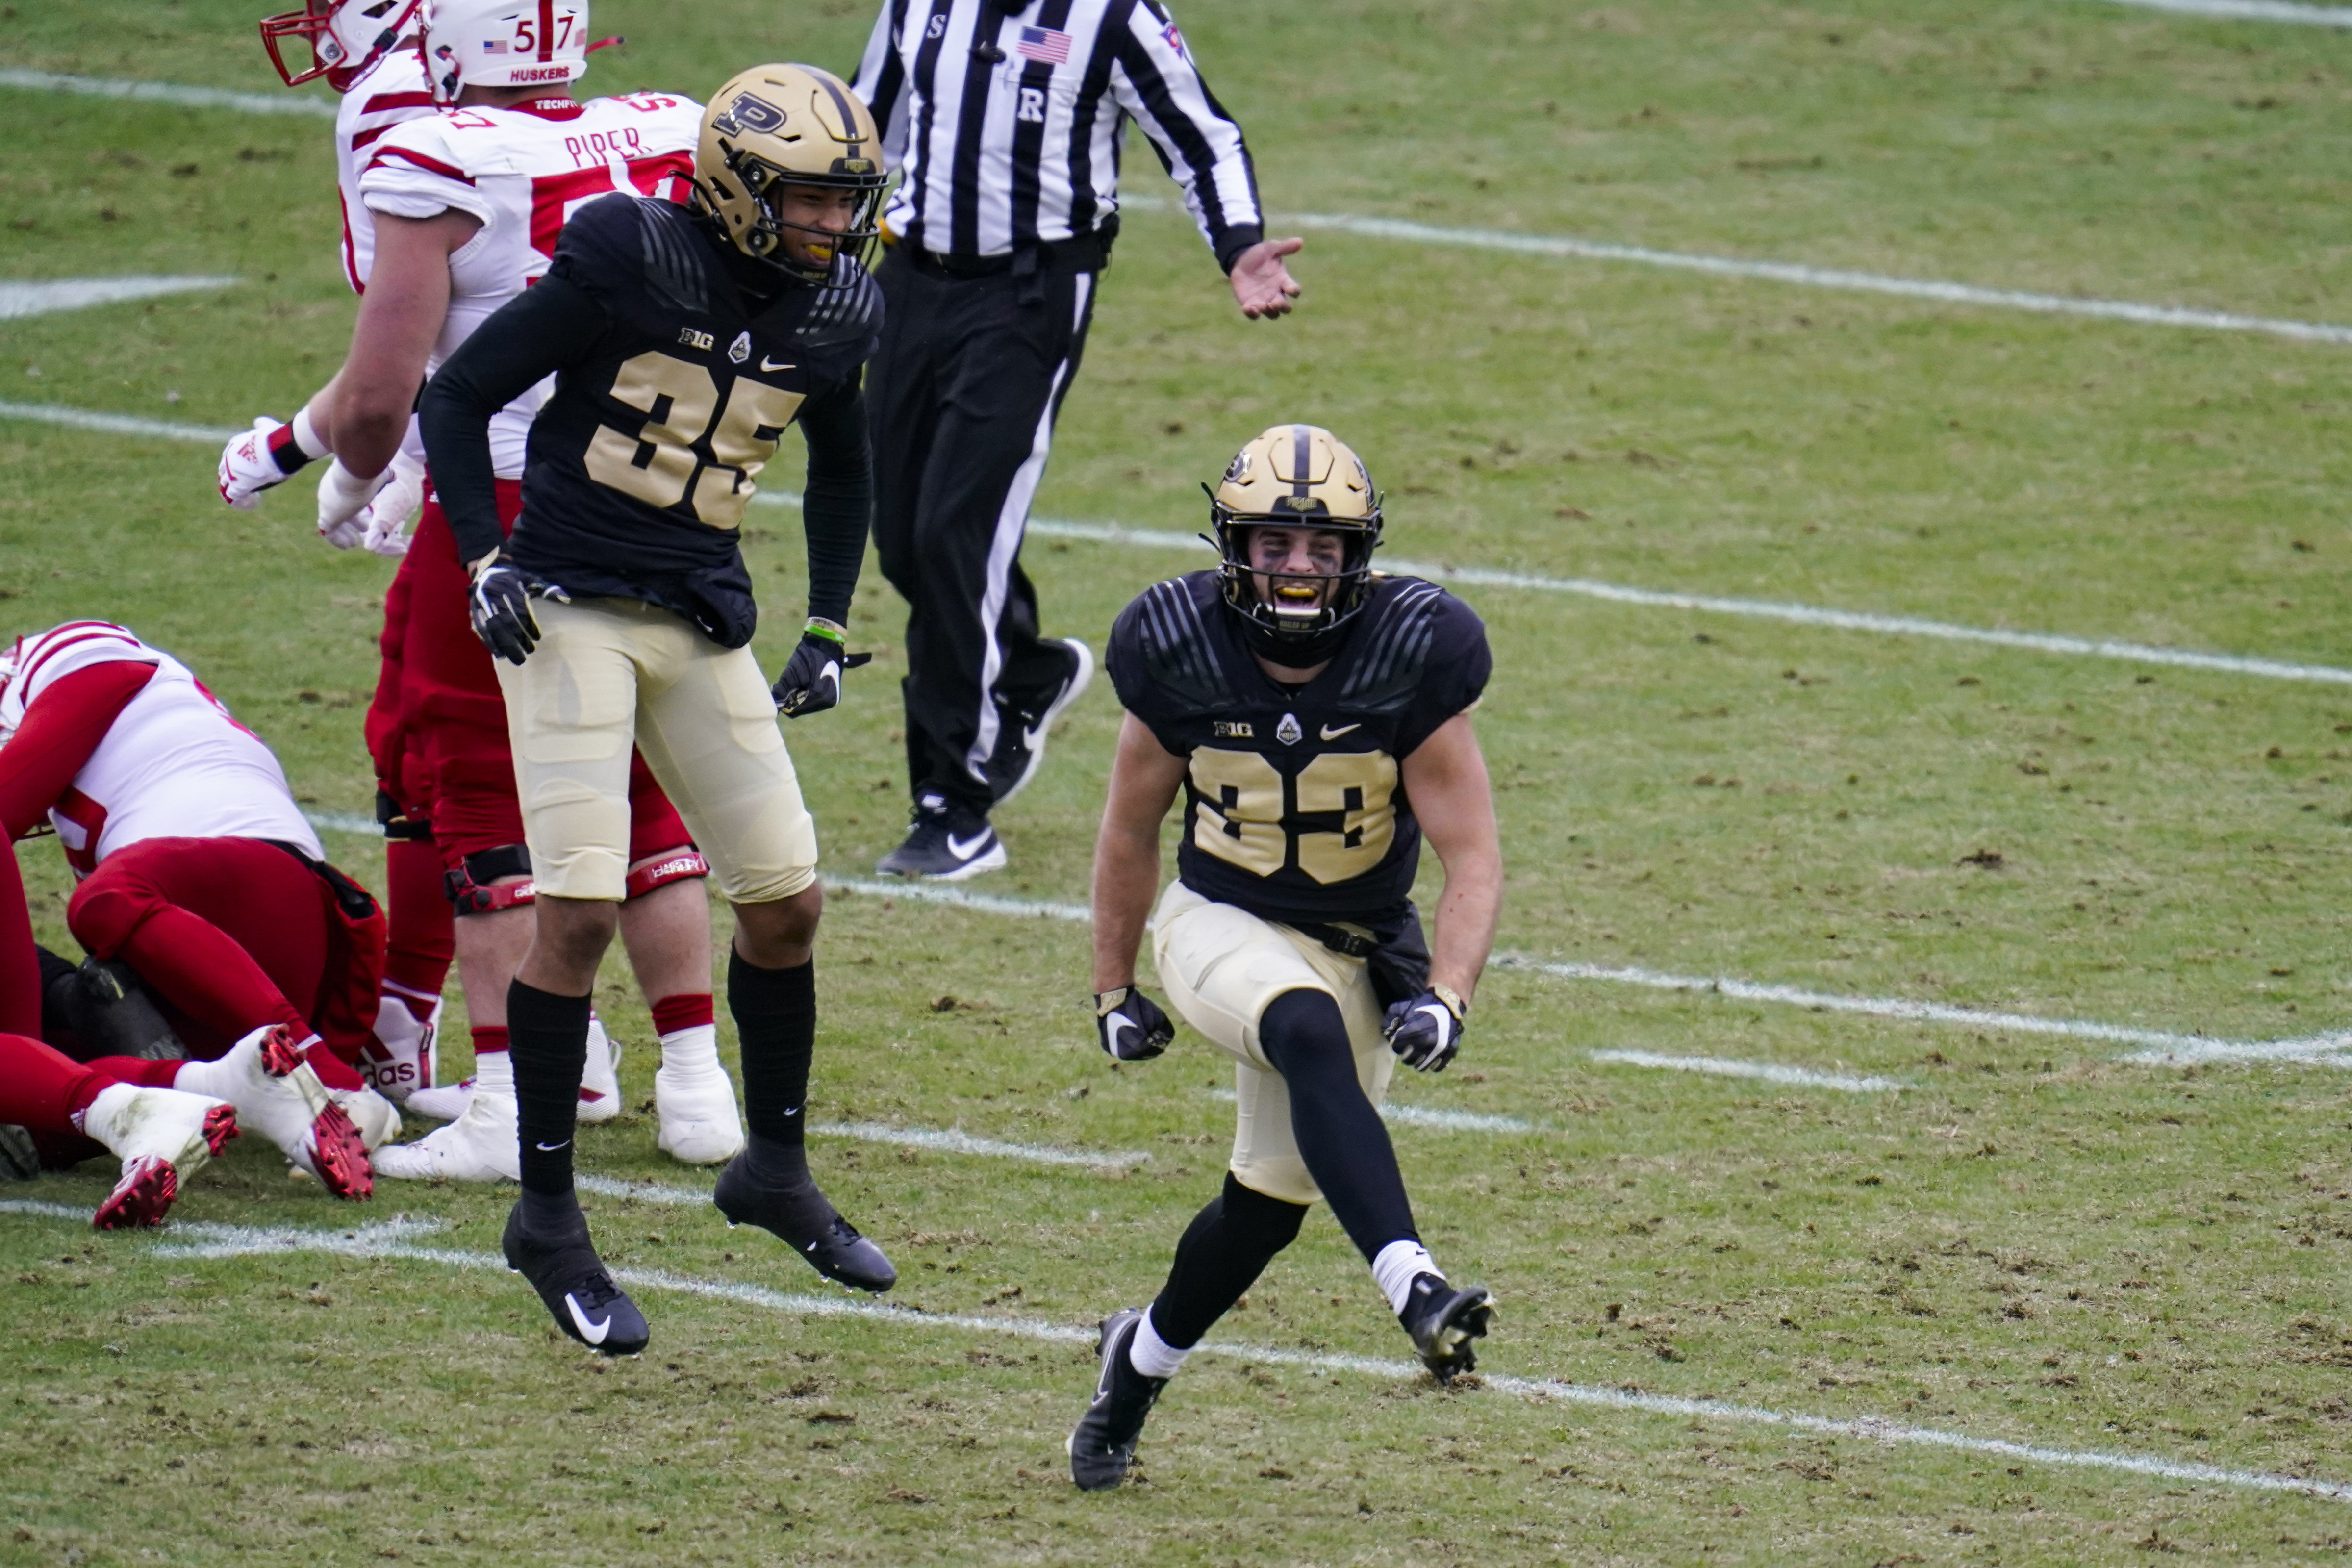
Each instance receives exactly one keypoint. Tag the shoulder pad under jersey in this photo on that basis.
(850, 314)
(638, 254)
(1393, 644)
(1172, 639)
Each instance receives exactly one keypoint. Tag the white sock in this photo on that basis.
(494, 1072)
(1395, 1267)
(1152, 1356)
(691, 1051)
(196, 1078)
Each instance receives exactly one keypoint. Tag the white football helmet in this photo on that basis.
(503, 43)
(12, 658)
(346, 37)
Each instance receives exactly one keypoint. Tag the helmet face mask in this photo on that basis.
(782, 147)
(1295, 486)
(345, 38)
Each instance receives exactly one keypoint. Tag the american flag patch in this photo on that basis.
(1047, 46)
(493, 45)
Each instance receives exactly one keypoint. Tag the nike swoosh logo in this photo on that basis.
(1117, 1024)
(1333, 732)
(593, 1332)
(963, 849)
(795, 1110)
(552, 1148)
(766, 367)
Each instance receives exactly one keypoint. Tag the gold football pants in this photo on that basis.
(1223, 967)
(609, 672)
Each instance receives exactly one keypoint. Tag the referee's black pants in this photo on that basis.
(960, 399)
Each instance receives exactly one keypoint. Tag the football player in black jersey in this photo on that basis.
(683, 340)
(1317, 717)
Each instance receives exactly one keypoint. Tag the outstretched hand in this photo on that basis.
(1263, 286)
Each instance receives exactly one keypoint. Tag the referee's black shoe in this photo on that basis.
(1029, 718)
(1103, 1446)
(947, 842)
(547, 1243)
(768, 1184)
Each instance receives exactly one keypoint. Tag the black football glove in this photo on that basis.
(1131, 1026)
(1427, 1030)
(811, 682)
(499, 607)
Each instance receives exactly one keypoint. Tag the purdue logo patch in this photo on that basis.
(1289, 732)
(750, 112)
(740, 349)
(1227, 730)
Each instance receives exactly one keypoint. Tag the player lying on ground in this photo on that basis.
(466, 207)
(683, 344)
(56, 1111)
(198, 869)
(1317, 717)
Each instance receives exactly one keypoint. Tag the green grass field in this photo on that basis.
(2033, 1239)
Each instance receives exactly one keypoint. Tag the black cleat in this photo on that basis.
(1028, 722)
(1103, 1446)
(106, 1007)
(789, 1207)
(561, 1265)
(946, 844)
(1442, 1321)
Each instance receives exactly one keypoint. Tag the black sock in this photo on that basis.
(775, 1022)
(1224, 1249)
(547, 1040)
(1340, 1135)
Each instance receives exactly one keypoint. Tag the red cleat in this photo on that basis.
(339, 1155)
(142, 1198)
(220, 1126)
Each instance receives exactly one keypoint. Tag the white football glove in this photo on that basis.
(386, 517)
(343, 496)
(256, 460)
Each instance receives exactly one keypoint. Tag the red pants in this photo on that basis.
(233, 935)
(450, 697)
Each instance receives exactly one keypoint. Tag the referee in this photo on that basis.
(1006, 119)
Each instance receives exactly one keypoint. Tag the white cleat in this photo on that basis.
(479, 1146)
(698, 1123)
(376, 1117)
(600, 1080)
(278, 1095)
(446, 1103)
(162, 1136)
(402, 1055)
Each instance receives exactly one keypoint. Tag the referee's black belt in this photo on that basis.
(1088, 253)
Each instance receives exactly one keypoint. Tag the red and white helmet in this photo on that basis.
(346, 37)
(504, 43)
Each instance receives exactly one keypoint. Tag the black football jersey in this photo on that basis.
(1294, 807)
(641, 462)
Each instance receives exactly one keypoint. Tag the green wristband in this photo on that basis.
(831, 631)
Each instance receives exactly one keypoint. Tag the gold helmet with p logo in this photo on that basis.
(780, 125)
(1296, 476)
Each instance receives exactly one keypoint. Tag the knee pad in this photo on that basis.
(468, 887)
(397, 825)
(677, 866)
(1305, 1037)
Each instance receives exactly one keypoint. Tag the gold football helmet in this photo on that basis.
(780, 125)
(1296, 476)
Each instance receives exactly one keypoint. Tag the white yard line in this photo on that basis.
(2251, 11)
(1760, 609)
(169, 92)
(20, 297)
(205, 1240)
(955, 1141)
(2162, 1047)
(1433, 1116)
(1374, 228)
(1770, 1072)
(115, 424)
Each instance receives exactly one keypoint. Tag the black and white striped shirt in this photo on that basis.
(1006, 119)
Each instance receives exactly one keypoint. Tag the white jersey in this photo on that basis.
(173, 765)
(523, 172)
(392, 90)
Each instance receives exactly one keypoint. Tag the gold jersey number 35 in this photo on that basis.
(661, 463)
